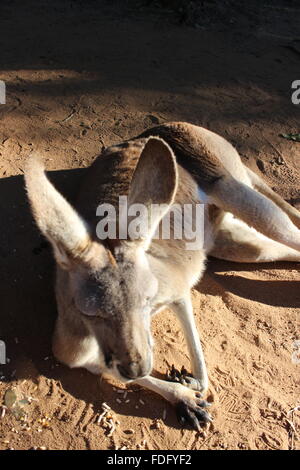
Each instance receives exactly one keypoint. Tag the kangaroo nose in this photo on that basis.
(132, 370)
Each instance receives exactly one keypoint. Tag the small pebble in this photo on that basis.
(129, 431)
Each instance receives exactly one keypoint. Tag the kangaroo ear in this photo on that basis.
(55, 217)
(153, 185)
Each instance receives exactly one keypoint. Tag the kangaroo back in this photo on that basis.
(207, 156)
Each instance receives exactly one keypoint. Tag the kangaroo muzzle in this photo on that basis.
(134, 370)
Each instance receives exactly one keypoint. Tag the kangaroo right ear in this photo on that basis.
(154, 183)
(57, 220)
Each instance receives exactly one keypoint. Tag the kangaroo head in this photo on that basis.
(112, 291)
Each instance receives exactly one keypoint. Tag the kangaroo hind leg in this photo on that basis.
(264, 189)
(256, 210)
(236, 241)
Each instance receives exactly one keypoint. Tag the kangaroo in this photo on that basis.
(108, 290)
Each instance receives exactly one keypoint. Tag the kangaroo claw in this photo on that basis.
(193, 413)
(184, 377)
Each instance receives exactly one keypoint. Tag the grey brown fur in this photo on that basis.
(107, 292)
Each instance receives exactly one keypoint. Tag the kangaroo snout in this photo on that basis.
(126, 358)
(134, 370)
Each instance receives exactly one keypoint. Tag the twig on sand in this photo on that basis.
(289, 416)
(108, 420)
(74, 111)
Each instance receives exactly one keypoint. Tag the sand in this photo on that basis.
(84, 75)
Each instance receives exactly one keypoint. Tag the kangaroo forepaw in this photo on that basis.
(184, 378)
(192, 411)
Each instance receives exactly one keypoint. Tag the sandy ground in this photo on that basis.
(83, 75)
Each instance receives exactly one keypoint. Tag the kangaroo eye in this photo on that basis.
(90, 308)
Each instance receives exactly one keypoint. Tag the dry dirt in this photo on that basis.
(83, 75)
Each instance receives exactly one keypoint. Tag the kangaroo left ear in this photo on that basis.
(55, 217)
(154, 182)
